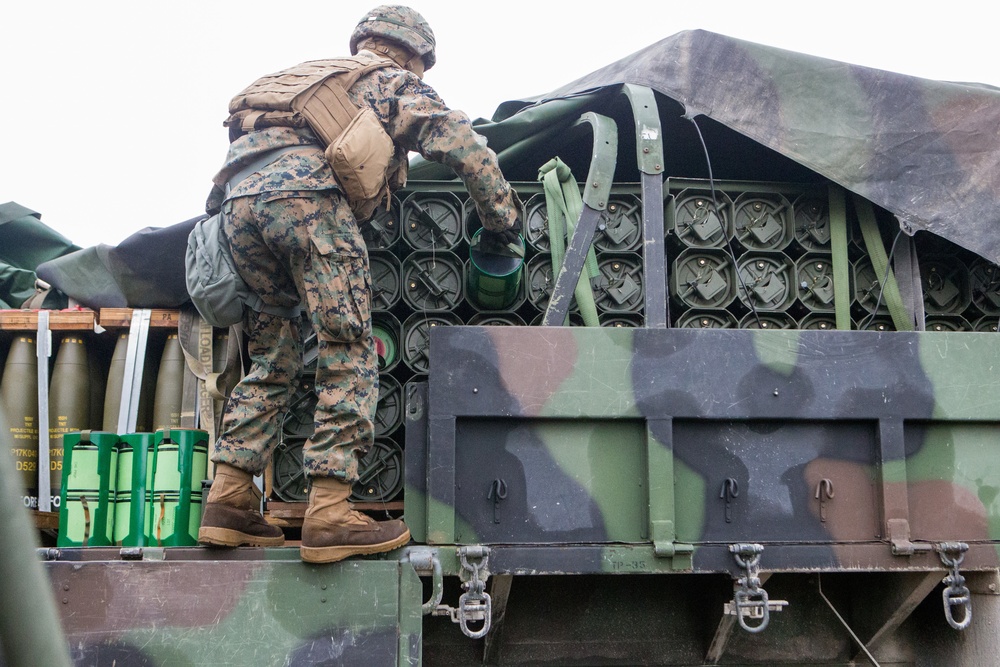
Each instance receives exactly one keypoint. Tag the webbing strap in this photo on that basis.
(196, 337)
(564, 205)
(880, 262)
(841, 265)
(907, 267)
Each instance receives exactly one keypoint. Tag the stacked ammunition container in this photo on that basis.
(760, 257)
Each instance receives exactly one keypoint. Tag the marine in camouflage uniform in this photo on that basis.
(295, 239)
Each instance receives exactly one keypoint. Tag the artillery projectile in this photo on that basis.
(19, 402)
(113, 390)
(69, 402)
(169, 386)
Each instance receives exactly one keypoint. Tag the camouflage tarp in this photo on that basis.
(146, 270)
(927, 151)
(25, 243)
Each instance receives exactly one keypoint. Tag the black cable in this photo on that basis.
(888, 267)
(729, 243)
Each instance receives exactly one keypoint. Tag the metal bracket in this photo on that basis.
(750, 601)
(426, 562)
(474, 605)
(899, 538)
(956, 593)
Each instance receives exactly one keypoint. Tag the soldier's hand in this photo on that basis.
(498, 242)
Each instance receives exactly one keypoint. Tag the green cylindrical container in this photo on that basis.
(387, 331)
(69, 402)
(87, 495)
(113, 390)
(179, 464)
(169, 386)
(19, 402)
(134, 464)
(494, 280)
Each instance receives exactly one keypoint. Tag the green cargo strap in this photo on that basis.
(841, 265)
(564, 203)
(197, 339)
(880, 262)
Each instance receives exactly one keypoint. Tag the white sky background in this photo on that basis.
(111, 111)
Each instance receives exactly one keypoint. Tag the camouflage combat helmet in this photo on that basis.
(400, 24)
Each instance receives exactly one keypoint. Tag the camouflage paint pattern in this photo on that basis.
(251, 611)
(634, 448)
(287, 245)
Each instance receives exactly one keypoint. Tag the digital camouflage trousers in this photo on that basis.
(302, 247)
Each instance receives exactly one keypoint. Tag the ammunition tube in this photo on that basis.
(945, 282)
(766, 281)
(707, 319)
(416, 337)
(389, 410)
(383, 230)
(432, 221)
(620, 226)
(536, 223)
(494, 280)
(433, 280)
(619, 286)
(703, 278)
(695, 220)
(762, 221)
(811, 213)
(984, 280)
(814, 281)
(761, 320)
(380, 473)
(387, 333)
(496, 319)
(386, 280)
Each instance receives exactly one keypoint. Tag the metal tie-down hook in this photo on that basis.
(824, 492)
(730, 490)
(498, 492)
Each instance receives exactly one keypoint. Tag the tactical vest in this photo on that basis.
(314, 95)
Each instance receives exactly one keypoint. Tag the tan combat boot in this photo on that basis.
(332, 531)
(231, 517)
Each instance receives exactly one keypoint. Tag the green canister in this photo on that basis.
(87, 495)
(134, 465)
(494, 277)
(179, 464)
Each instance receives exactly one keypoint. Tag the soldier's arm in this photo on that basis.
(422, 122)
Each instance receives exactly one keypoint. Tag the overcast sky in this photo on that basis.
(112, 111)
